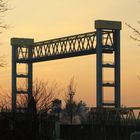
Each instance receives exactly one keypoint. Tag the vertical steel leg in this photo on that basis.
(30, 77)
(14, 52)
(99, 68)
(117, 67)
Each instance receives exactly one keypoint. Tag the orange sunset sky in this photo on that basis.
(47, 19)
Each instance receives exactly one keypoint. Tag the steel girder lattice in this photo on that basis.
(104, 40)
(65, 47)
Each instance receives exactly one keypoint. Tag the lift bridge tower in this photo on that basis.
(105, 40)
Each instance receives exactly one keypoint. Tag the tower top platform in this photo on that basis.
(106, 24)
(21, 41)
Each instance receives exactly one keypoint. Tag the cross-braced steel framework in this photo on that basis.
(106, 39)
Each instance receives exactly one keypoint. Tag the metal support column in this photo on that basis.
(14, 54)
(30, 74)
(99, 68)
(117, 67)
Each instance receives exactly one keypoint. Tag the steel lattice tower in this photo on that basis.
(27, 74)
(113, 48)
(106, 39)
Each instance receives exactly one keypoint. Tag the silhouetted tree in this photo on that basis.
(72, 108)
(2, 61)
(3, 8)
(43, 94)
(136, 32)
(5, 101)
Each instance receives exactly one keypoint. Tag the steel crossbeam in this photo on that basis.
(65, 47)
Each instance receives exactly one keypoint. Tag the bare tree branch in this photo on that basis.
(134, 29)
(136, 35)
(43, 94)
(3, 8)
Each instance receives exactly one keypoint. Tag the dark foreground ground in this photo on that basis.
(24, 126)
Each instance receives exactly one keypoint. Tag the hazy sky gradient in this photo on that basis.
(47, 19)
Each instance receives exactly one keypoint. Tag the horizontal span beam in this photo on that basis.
(65, 47)
(55, 57)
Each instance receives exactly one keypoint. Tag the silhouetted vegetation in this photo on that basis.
(73, 112)
(49, 121)
(136, 33)
(43, 93)
(3, 9)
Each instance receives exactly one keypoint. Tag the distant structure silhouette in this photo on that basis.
(105, 40)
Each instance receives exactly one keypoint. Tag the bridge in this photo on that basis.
(105, 40)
